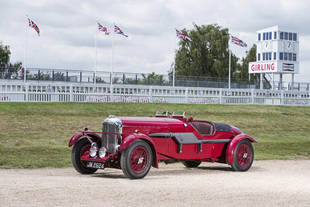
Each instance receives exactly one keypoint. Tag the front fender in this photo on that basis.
(233, 144)
(80, 134)
(135, 136)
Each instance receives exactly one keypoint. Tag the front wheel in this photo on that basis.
(243, 156)
(79, 149)
(137, 159)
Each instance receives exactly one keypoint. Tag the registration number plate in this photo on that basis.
(97, 165)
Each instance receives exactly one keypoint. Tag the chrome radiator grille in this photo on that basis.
(111, 129)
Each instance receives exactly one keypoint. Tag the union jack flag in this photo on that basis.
(238, 41)
(118, 30)
(182, 36)
(103, 29)
(34, 26)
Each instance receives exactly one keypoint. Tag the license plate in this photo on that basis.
(97, 165)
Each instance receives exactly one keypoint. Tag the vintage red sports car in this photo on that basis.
(134, 144)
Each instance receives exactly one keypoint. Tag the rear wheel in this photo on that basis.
(80, 148)
(191, 163)
(243, 156)
(137, 159)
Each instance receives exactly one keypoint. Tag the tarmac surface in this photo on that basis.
(267, 183)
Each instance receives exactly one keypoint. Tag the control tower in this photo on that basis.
(277, 53)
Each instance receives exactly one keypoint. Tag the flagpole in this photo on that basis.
(173, 69)
(249, 79)
(96, 53)
(173, 77)
(112, 37)
(229, 64)
(25, 52)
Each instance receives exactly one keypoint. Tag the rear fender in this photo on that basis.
(136, 136)
(233, 144)
(80, 134)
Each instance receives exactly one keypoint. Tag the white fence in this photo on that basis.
(39, 91)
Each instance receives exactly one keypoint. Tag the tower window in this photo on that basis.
(275, 35)
(281, 55)
(290, 36)
(285, 35)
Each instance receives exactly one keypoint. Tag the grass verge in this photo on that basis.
(36, 134)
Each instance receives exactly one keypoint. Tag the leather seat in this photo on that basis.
(203, 128)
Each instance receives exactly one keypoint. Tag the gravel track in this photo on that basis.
(267, 183)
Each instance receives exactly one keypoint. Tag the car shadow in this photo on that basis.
(187, 171)
(227, 168)
(216, 168)
(118, 174)
(110, 174)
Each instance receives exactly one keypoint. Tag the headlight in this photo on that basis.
(102, 152)
(93, 150)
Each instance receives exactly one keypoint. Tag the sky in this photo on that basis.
(69, 30)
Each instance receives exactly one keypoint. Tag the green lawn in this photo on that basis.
(36, 134)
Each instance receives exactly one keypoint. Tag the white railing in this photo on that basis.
(34, 91)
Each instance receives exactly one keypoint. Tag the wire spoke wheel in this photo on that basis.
(243, 156)
(139, 159)
(84, 151)
(136, 160)
(81, 148)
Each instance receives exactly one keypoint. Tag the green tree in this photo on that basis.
(207, 53)
(152, 79)
(5, 65)
(42, 76)
(4, 56)
(59, 76)
(244, 67)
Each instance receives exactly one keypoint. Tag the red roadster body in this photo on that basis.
(134, 144)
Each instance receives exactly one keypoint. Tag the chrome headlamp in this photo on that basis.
(102, 152)
(93, 149)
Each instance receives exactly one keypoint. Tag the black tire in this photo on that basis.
(243, 163)
(76, 157)
(191, 163)
(130, 159)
